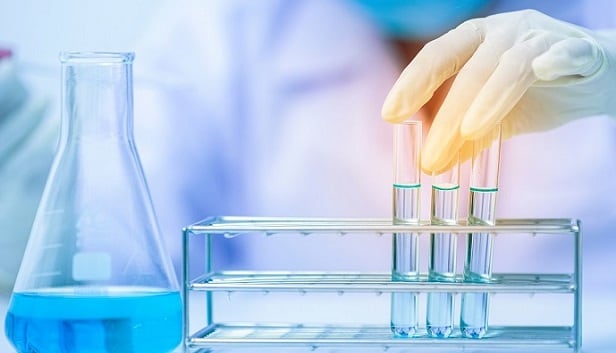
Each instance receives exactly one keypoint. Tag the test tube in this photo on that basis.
(482, 206)
(406, 194)
(444, 211)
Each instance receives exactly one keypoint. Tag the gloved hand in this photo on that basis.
(523, 68)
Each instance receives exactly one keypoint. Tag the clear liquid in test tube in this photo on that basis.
(444, 211)
(482, 207)
(406, 194)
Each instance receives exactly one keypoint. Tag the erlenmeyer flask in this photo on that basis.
(95, 277)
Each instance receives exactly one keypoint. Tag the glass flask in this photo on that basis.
(95, 277)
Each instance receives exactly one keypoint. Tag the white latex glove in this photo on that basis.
(27, 141)
(523, 68)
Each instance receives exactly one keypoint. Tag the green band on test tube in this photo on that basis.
(485, 163)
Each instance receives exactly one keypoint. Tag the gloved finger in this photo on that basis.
(435, 63)
(507, 84)
(571, 56)
(464, 153)
(444, 139)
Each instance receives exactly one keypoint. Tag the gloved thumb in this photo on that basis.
(568, 59)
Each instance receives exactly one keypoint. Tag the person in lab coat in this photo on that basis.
(272, 108)
(268, 114)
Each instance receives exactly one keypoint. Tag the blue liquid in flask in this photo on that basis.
(71, 320)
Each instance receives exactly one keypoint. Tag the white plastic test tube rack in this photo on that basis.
(215, 336)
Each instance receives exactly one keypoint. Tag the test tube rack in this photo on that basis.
(270, 336)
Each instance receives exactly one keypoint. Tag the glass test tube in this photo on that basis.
(444, 211)
(406, 194)
(482, 206)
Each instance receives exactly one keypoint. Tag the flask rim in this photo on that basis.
(96, 57)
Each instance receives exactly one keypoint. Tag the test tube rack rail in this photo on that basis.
(270, 336)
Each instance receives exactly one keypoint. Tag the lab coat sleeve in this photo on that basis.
(28, 138)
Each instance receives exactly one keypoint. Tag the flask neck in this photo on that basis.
(97, 101)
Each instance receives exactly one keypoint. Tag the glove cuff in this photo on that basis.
(607, 39)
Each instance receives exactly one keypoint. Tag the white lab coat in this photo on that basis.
(26, 150)
(272, 108)
(258, 110)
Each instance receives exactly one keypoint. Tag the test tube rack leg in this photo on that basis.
(215, 335)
